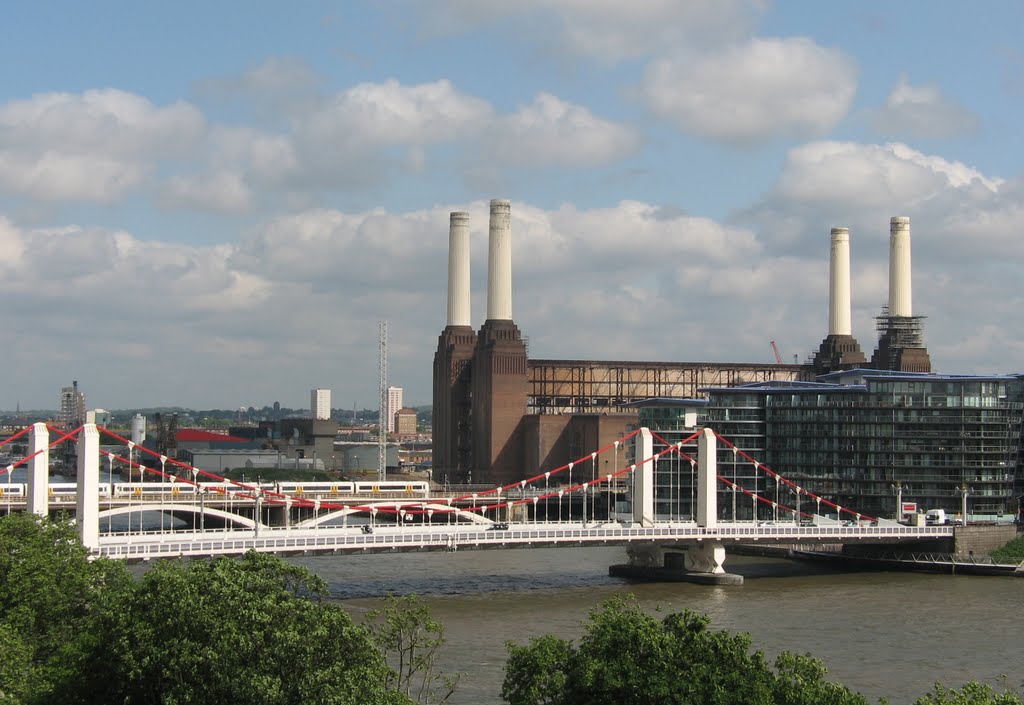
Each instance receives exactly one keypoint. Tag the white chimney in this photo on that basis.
(458, 269)
(839, 284)
(899, 267)
(499, 262)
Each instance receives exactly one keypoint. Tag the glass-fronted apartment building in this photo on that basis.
(856, 435)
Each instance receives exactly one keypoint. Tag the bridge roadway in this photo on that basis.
(439, 537)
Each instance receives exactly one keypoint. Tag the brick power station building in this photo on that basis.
(500, 416)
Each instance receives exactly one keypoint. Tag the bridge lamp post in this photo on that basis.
(448, 501)
(202, 509)
(693, 490)
(585, 504)
(560, 493)
(756, 467)
(535, 500)
(963, 490)
(593, 490)
(609, 490)
(898, 488)
(547, 476)
(373, 516)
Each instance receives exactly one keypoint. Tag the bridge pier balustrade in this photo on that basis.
(87, 506)
(39, 470)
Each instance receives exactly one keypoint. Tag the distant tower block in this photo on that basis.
(900, 343)
(452, 406)
(839, 350)
(500, 382)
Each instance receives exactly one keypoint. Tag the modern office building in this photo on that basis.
(320, 404)
(859, 437)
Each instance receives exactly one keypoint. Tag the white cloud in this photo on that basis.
(391, 113)
(89, 147)
(294, 302)
(55, 176)
(551, 131)
(753, 92)
(824, 184)
(223, 192)
(922, 112)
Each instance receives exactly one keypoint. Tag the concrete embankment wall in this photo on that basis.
(979, 540)
(966, 541)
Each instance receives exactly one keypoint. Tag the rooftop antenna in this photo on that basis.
(382, 426)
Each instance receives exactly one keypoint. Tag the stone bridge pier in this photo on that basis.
(684, 561)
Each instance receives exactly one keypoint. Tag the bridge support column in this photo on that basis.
(39, 470)
(703, 561)
(707, 479)
(705, 557)
(643, 478)
(87, 508)
(700, 563)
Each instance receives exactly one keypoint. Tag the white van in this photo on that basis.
(935, 517)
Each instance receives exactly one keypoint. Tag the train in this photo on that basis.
(392, 489)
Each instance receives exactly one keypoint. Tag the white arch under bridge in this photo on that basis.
(195, 516)
(394, 508)
(188, 513)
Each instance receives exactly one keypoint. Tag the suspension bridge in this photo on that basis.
(662, 501)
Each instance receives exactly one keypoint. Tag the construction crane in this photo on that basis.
(775, 350)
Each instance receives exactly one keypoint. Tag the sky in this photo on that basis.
(213, 205)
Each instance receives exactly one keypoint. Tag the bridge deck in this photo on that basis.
(147, 546)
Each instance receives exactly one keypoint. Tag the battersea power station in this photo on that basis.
(499, 416)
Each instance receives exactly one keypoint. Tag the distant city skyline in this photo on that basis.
(197, 217)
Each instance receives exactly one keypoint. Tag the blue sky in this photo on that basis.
(212, 204)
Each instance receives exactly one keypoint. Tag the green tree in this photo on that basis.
(627, 657)
(49, 593)
(253, 630)
(971, 694)
(410, 638)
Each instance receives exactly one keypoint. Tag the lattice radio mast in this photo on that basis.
(382, 421)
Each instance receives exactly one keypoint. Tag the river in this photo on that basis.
(883, 634)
